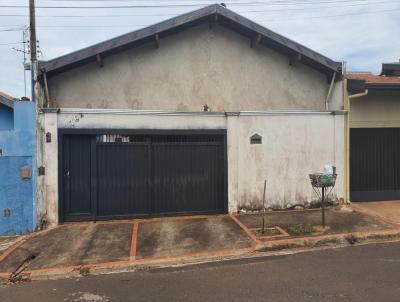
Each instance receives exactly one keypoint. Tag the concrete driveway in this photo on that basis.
(126, 241)
(166, 238)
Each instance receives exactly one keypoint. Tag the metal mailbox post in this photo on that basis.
(323, 182)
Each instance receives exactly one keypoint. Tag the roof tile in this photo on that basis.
(372, 78)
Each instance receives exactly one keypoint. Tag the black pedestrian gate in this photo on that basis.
(126, 174)
(374, 164)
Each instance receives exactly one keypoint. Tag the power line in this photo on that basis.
(12, 43)
(269, 20)
(334, 16)
(11, 29)
(178, 5)
(119, 6)
(160, 14)
(143, 25)
(272, 2)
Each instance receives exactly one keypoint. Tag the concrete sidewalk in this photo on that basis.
(80, 248)
(385, 210)
(7, 241)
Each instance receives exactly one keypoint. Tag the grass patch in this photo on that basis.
(300, 229)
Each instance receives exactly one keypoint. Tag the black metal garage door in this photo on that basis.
(374, 164)
(130, 174)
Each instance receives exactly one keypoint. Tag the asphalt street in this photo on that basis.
(358, 273)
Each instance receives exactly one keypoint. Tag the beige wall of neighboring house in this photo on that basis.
(378, 109)
(190, 69)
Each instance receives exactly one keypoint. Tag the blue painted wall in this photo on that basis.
(18, 151)
(6, 118)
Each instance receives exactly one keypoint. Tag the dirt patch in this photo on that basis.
(300, 229)
(268, 232)
(305, 229)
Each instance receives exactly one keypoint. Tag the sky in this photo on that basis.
(363, 33)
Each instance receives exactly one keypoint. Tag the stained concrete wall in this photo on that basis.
(292, 148)
(294, 145)
(378, 109)
(336, 100)
(195, 67)
(18, 151)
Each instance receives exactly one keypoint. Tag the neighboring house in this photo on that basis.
(17, 162)
(375, 134)
(187, 116)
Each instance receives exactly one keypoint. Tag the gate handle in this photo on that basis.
(66, 174)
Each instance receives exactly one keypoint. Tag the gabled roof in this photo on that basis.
(214, 13)
(372, 81)
(6, 100)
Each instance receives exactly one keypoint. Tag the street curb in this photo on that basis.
(128, 265)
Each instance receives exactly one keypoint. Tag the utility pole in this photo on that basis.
(32, 29)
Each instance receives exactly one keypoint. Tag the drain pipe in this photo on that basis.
(357, 95)
(348, 120)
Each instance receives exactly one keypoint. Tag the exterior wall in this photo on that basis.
(292, 148)
(378, 109)
(6, 118)
(294, 145)
(336, 101)
(190, 69)
(17, 195)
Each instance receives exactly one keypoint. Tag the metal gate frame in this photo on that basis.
(85, 131)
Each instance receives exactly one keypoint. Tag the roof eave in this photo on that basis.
(123, 40)
(288, 43)
(6, 102)
(381, 86)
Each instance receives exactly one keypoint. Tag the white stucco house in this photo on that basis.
(187, 116)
